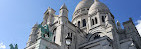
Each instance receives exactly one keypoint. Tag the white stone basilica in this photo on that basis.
(92, 27)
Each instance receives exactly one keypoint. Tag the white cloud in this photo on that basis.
(138, 26)
(2, 46)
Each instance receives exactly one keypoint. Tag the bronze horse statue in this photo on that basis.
(12, 47)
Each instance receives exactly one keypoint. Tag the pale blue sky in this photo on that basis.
(18, 16)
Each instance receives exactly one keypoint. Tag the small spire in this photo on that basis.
(130, 18)
(48, 7)
(96, 0)
(36, 24)
(64, 7)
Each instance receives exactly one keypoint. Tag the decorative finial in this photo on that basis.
(118, 23)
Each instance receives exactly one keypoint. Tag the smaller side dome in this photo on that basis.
(97, 5)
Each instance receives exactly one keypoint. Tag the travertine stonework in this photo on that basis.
(92, 27)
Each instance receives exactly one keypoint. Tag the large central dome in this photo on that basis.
(84, 4)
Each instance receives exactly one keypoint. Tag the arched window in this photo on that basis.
(103, 19)
(54, 38)
(78, 23)
(92, 21)
(97, 36)
(71, 35)
(68, 34)
(54, 31)
(96, 21)
(84, 22)
(48, 34)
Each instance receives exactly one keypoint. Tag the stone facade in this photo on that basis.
(92, 27)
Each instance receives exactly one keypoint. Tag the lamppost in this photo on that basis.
(68, 41)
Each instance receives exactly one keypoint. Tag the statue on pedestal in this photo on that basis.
(12, 47)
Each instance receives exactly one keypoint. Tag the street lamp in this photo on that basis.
(68, 41)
